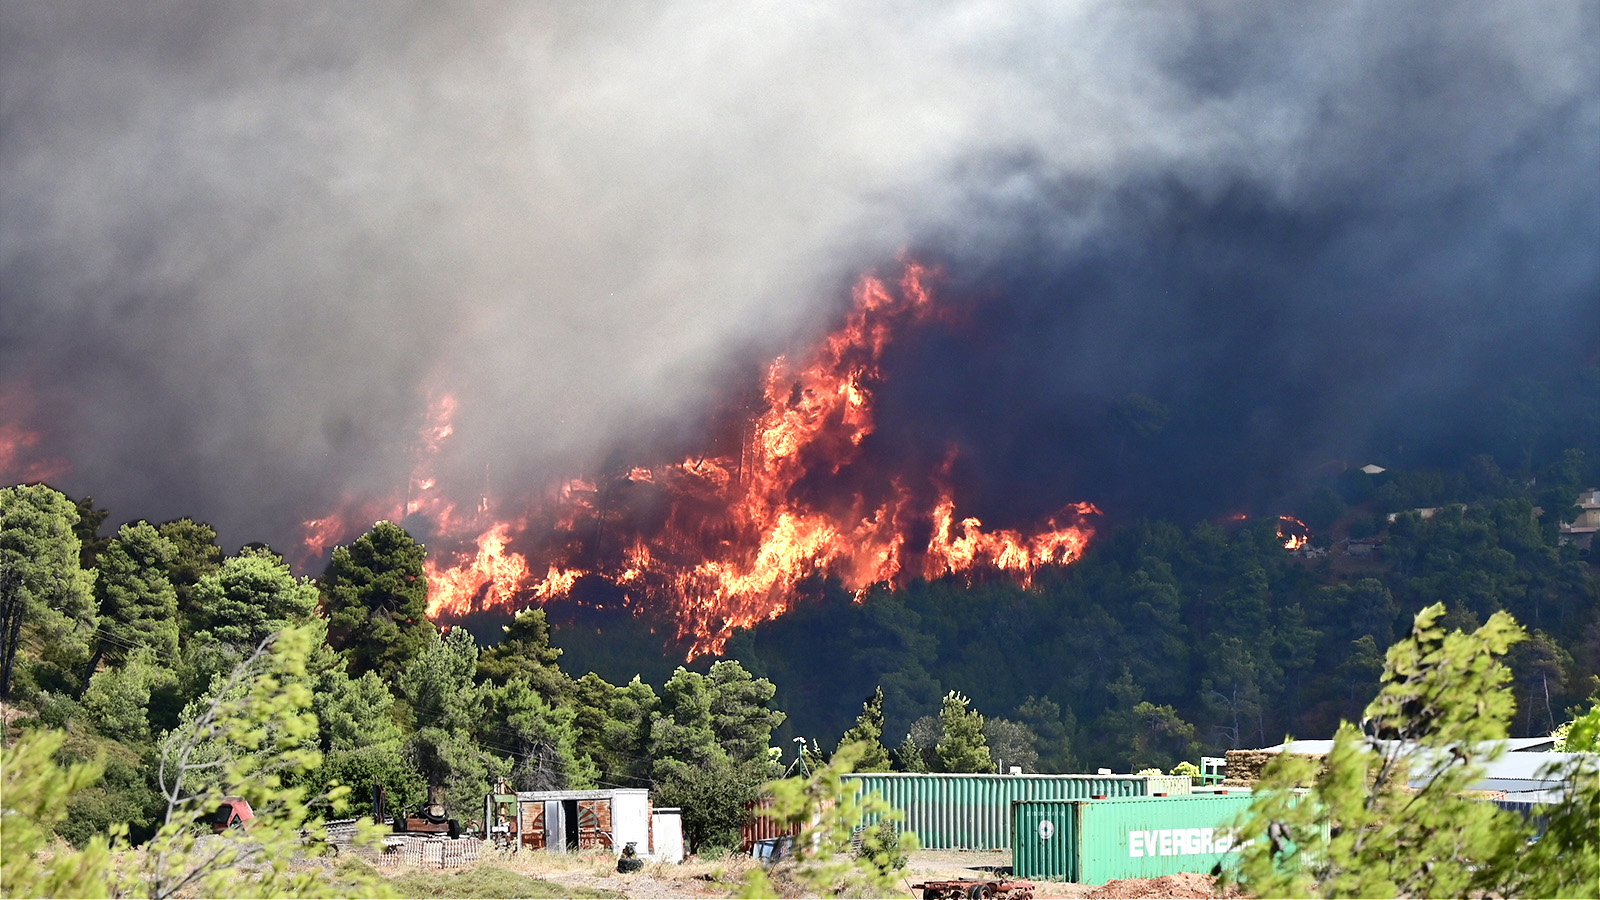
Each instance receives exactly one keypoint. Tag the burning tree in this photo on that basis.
(722, 540)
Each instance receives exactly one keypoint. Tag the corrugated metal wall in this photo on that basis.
(1140, 837)
(973, 812)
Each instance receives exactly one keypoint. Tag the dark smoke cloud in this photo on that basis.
(239, 243)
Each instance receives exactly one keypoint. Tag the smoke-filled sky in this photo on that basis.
(242, 244)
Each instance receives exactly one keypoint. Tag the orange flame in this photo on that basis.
(734, 535)
(19, 445)
(1295, 533)
(491, 578)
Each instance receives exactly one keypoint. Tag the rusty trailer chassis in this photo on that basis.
(975, 889)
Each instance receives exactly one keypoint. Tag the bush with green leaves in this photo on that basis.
(254, 732)
(1389, 813)
(849, 844)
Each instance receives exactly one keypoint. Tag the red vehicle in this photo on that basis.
(975, 889)
(234, 812)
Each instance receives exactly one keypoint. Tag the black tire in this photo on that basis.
(453, 828)
(979, 892)
(629, 864)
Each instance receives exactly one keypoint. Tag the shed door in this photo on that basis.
(531, 826)
(555, 826)
(594, 825)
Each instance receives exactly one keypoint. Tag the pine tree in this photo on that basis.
(963, 747)
(525, 651)
(138, 606)
(910, 757)
(868, 732)
(376, 595)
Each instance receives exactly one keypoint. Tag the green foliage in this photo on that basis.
(963, 747)
(119, 699)
(122, 798)
(252, 732)
(1052, 729)
(196, 554)
(1582, 734)
(909, 757)
(439, 688)
(251, 596)
(359, 768)
(825, 861)
(542, 738)
(376, 594)
(37, 793)
(1391, 792)
(713, 797)
(41, 575)
(455, 761)
(525, 651)
(740, 717)
(614, 727)
(1011, 744)
(353, 712)
(868, 732)
(138, 606)
(708, 743)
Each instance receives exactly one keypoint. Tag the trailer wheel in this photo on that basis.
(979, 892)
(453, 828)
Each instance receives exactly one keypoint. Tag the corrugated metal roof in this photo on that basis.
(1512, 745)
(581, 795)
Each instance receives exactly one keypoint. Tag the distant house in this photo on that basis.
(1365, 548)
(1581, 532)
(1427, 512)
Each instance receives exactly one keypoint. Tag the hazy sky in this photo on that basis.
(241, 243)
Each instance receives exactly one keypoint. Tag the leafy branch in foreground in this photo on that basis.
(1389, 813)
(826, 860)
(254, 731)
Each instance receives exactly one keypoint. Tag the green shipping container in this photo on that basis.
(973, 812)
(1095, 841)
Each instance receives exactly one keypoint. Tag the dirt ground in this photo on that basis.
(721, 878)
(952, 864)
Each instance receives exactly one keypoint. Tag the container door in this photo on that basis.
(555, 827)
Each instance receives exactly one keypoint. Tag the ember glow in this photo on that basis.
(722, 540)
(21, 460)
(1295, 533)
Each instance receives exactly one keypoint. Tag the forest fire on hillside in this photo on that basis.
(20, 457)
(1296, 535)
(722, 540)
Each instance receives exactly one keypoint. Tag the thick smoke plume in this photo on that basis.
(243, 245)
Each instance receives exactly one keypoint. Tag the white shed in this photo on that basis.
(559, 821)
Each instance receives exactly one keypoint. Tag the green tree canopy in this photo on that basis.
(525, 651)
(614, 727)
(250, 597)
(708, 743)
(868, 731)
(353, 712)
(45, 594)
(963, 747)
(740, 717)
(542, 738)
(138, 606)
(439, 689)
(196, 554)
(375, 592)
